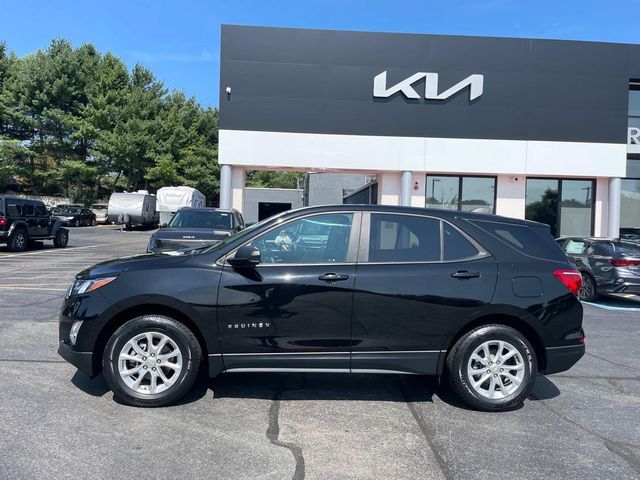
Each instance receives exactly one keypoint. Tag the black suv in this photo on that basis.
(193, 227)
(486, 301)
(22, 221)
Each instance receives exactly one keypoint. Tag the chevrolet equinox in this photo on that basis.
(486, 301)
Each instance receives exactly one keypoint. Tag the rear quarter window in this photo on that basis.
(528, 240)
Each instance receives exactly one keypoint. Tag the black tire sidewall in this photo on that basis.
(58, 240)
(468, 343)
(191, 357)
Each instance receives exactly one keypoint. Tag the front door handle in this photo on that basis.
(464, 274)
(333, 277)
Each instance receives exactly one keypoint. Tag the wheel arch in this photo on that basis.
(507, 320)
(127, 314)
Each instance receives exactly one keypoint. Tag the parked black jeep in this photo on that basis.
(22, 221)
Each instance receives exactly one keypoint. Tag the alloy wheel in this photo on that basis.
(150, 363)
(20, 241)
(496, 369)
(587, 288)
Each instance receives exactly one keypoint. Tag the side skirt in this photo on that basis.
(414, 362)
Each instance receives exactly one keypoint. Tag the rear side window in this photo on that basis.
(529, 240)
(29, 210)
(575, 247)
(403, 238)
(456, 246)
(14, 209)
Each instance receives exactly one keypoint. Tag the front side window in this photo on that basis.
(403, 238)
(41, 211)
(29, 210)
(310, 240)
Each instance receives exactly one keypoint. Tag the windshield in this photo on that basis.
(201, 219)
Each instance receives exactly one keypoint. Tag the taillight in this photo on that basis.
(625, 262)
(3, 221)
(570, 279)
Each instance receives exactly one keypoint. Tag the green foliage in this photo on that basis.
(77, 122)
(262, 178)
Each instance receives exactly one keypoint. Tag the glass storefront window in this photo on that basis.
(442, 192)
(565, 205)
(575, 207)
(478, 192)
(461, 193)
(634, 103)
(630, 203)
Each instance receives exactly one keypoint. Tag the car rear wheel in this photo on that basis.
(151, 361)
(76, 222)
(588, 291)
(18, 240)
(492, 368)
(61, 239)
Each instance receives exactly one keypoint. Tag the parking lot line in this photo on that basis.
(13, 287)
(60, 250)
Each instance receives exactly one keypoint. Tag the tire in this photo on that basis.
(464, 383)
(61, 239)
(18, 240)
(76, 222)
(92, 222)
(589, 290)
(182, 347)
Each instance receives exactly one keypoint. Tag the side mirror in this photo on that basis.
(246, 256)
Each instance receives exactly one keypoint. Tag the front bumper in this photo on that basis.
(560, 359)
(83, 361)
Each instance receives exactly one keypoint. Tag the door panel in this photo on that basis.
(405, 312)
(286, 312)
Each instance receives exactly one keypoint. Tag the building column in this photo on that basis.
(225, 186)
(406, 184)
(511, 195)
(615, 192)
(237, 188)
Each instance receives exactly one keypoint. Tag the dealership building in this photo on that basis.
(541, 129)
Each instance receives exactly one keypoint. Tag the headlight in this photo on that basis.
(73, 333)
(85, 286)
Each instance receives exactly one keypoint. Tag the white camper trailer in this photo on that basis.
(133, 209)
(171, 199)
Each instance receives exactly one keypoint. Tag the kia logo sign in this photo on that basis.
(475, 83)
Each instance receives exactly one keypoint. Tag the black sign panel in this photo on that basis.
(321, 81)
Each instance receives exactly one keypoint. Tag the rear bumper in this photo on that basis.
(560, 359)
(83, 361)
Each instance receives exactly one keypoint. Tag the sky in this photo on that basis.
(180, 40)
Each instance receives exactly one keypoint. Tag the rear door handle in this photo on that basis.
(464, 274)
(333, 277)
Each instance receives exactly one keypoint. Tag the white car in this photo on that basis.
(100, 209)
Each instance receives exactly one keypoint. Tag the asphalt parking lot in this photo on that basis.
(56, 423)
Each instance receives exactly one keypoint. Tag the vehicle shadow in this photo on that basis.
(321, 386)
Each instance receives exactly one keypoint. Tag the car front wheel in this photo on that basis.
(61, 239)
(151, 361)
(492, 368)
